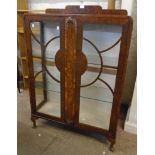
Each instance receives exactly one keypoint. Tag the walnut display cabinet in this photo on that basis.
(82, 58)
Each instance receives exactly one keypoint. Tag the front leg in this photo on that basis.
(111, 148)
(33, 119)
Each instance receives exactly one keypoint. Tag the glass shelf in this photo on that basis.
(101, 94)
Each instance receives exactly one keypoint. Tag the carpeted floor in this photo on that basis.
(53, 139)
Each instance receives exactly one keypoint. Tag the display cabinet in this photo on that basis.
(82, 57)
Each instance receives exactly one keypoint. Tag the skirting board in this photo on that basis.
(130, 127)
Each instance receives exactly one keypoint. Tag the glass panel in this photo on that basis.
(98, 82)
(96, 101)
(36, 53)
(103, 37)
(52, 105)
(47, 76)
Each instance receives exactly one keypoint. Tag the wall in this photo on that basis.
(35, 4)
(132, 59)
(131, 120)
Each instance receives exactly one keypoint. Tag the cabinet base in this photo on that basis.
(112, 141)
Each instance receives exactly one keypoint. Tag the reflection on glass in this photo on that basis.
(96, 98)
(103, 37)
(35, 29)
(46, 88)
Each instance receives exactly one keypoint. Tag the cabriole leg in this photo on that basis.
(111, 148)
(34, 122)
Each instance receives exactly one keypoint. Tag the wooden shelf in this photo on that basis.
(39, 78)
(26, 77)
(34, 30)
(22, 6)
(30, 11)
(48, 62)
(20, 30)
(23, 58)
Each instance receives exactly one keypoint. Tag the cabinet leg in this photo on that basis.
(34, 122)
(111, 148)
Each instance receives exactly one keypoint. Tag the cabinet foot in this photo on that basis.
(111, 148)
(34, 122)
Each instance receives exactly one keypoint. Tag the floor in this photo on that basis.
(53, 139)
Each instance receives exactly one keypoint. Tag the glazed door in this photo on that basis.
(45, 38)
(100, 83)
(101, 47)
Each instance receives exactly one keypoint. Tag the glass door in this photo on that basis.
(101, 46)
(45, 41)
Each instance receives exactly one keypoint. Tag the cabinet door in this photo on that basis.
(101, 46)
(105, 45)
(44, 41)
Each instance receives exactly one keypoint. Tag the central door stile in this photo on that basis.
(70, 58)
(72, 63)
(75, 66)
(81, 65)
